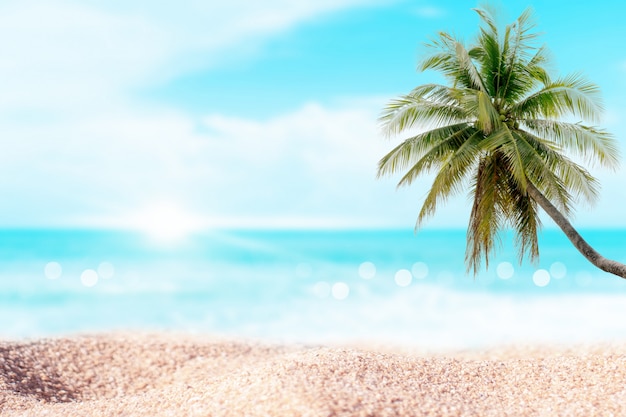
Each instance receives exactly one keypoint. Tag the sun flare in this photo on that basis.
(166, 222)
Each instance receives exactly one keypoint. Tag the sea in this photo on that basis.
(383, 287)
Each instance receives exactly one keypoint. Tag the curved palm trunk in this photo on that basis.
(583, 247)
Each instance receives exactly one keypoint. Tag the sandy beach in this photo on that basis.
(176, 375)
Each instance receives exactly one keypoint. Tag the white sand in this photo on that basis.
(174, 375)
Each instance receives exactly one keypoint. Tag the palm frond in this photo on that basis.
(516, 51)
(572, 95)
(540, 170)
(445, 60)
(467, 66)
(497, 128)
(522, 30)
(524, 218)
(414, 148)
(441, 94)
(535, 67)
(575, 179)
(492, 68)
(487, 17)
(437, 155)
(408, 111)
(488, 117)
(450, 177)
(502, 141)
(593, 144)
(486, 215)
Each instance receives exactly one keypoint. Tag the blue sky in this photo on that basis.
(197, 114)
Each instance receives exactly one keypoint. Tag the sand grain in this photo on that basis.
(173, 375)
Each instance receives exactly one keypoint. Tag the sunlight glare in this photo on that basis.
(166, 222)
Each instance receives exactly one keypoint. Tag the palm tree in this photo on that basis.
(502, 127)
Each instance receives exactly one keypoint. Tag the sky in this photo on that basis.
(247, 114)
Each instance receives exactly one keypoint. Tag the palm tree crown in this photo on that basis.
(501, 126)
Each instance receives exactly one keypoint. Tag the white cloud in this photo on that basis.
(76, 148)
(62, 54)
(64, 57)
(314, 166)
(77, 145)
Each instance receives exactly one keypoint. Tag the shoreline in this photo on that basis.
(176, 374)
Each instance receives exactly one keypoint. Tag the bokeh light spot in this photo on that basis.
(340, 291)
(505, 270)
(367, 270)
(558, 270)
(403, 278)
(53, 270)
(321, 289)
(420, 270)
(89, 277)
(541, 277)
(106, 270)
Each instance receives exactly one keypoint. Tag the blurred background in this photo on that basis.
(211, 167)
(124, 114)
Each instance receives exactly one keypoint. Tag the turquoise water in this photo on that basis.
(308, 286)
